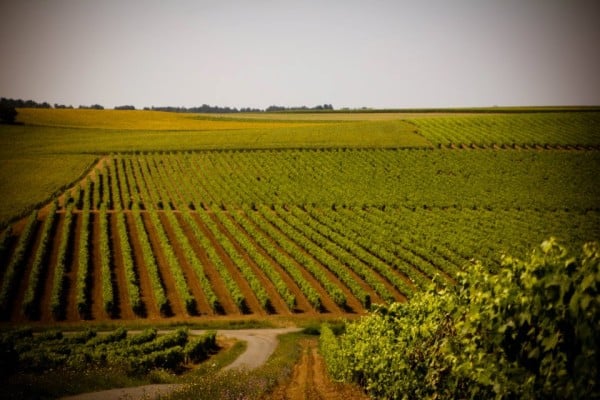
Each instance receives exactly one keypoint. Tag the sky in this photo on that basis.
(379, 54)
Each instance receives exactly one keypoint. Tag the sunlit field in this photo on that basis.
(138, 218)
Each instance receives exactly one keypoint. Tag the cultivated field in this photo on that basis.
(175, 217)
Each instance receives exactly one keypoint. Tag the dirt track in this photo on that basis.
(310, 380)
(261, 344)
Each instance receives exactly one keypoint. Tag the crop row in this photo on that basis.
(57, 298)
(320, 255)
(522, 129)
(493, 180)
(133, 353)
(273, 243)
(238, 260)
(259, 259)
(14, 269)
(39, 263)
(231, 286)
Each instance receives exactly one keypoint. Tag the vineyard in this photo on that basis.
(135, 352)
(194, 234)
(523, 130)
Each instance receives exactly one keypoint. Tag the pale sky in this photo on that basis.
(394, 54)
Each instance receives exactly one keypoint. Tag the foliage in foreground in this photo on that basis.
(529, 331)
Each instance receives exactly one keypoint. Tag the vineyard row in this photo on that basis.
(335, 178)
(253, 260)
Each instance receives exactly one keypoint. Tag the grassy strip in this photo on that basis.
(59, 382)
(243, 384)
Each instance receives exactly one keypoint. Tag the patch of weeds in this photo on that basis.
(247, 384)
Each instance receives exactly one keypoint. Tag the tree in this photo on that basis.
(8, 114)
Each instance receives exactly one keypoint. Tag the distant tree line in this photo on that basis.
(92, 107)
(18, 103)
(324, 107)
(204, 108)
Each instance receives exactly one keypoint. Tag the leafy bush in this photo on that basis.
(528, 331)
(8, 114)
(199, 349)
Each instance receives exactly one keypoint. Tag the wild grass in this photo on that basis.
(244, 384)
(30, 181)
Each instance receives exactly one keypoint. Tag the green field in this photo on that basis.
(140, 218)
(381, 203)
(71, 140)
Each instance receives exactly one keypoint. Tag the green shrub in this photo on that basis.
(198, 349)
(527, 331)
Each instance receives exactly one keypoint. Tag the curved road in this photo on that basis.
(261, 344)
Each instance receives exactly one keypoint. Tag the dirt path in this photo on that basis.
(261, 343)
(310, 380)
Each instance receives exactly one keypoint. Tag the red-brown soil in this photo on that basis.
(251, 301)
(225, 301)
(203, 307)
(326, 301)
(310, 380)
(177, 307)
(146, 293)
(95, 288)
(17, 312)
(122, 303)
(302, 304)
(45, 312)
(276, 301)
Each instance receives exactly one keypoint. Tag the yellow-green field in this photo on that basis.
(52, 148)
